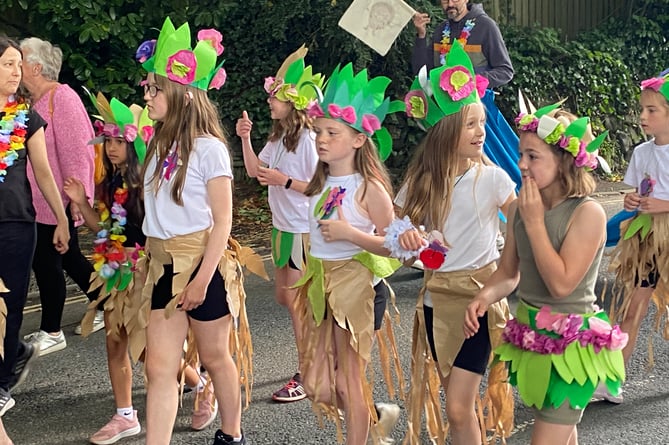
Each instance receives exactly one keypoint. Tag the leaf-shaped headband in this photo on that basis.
(294, 82)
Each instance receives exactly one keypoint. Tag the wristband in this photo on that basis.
(288, 183)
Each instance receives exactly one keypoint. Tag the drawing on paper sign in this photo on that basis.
(377, 22)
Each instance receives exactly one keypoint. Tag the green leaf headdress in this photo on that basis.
(294, 82)
(171, 56)
(116, 120)
(659, 84)
(445, 90)
(360, 103)
(568, 136)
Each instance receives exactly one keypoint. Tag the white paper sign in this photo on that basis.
(377, 22)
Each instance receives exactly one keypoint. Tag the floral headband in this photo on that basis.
(445, 90)
(358, 102)
(659, 84)
(294, 82)
(569, 137)
(121, 121)
(171, 56)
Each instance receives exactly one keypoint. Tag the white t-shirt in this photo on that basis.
(473, 223)
(164, 218)
(290, 208)
(649, 158)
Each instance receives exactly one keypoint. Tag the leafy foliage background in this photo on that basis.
(598, 71)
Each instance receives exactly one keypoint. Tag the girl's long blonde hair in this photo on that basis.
(190, 115)
(290, 128)
(432, 172)
(366, 162)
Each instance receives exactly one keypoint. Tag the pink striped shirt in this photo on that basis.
(67, 134)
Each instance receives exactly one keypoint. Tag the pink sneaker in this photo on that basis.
(205, 408)
(117, 428)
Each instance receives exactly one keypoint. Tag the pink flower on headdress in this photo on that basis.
(481, 84)
(272, 85)
(181, 67)
(654, 83)
(130, 133)
(527, 122)
(457, 82)
(219, 79)
(145, 51)
(582, 158)
(214, 37)
(314, 110)
(416, 104)
(370, 123)
(347, 114)
(147, 132)
(107, 129)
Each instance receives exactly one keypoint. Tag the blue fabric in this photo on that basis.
(501, 141)
(613, 226)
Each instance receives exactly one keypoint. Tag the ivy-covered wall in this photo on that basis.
(598, 72)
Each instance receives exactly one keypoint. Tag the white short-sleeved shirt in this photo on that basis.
(649, 158)
(473, 223)
(290, 208)
(164, 218)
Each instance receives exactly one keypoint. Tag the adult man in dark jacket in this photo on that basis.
(478, 33)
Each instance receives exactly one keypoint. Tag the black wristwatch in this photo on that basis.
(288, 183)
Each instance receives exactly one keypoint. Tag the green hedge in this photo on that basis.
(598, 72)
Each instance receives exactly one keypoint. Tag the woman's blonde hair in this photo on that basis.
(190, 115)
(432, 172)
(366, 162)
(290, 128)
(576, 182)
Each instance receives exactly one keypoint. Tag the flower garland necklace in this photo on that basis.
(111, 261)
(446, 38)
(12, 133)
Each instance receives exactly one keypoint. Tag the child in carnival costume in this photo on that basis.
(641, 258)
(452, 191)
(194, 271)
(560, 345)
(286, 164)
(350, 199)
(118, 254)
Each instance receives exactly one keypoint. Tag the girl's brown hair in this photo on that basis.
(190, 115)
(366, 162)
(290, 128)
(432, 172)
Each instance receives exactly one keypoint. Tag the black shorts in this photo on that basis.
(380, 298)
(215, 304)
(475, 351)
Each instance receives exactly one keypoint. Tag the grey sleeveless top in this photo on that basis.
(532, 288)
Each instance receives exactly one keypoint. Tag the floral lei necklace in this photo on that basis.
(12, 133)
(446, 38)
(111, 261)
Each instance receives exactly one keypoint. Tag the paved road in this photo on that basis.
(67, 396)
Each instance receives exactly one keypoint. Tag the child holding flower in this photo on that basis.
(451, 191)
(641, 259)
(560, 345)
(118, 252)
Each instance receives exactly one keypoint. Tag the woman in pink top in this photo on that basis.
(67, 134)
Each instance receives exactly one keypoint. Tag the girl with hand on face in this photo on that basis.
(560, 345)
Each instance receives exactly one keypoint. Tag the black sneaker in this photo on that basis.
(6, 402)
(220, 438)
(23, 363)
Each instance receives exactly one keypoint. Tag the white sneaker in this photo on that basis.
(98, 323)
(47, 343)
(389, 413)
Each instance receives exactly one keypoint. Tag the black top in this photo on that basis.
(16, 201)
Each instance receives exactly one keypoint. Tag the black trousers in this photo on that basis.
(18, 245)
(48, 266)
